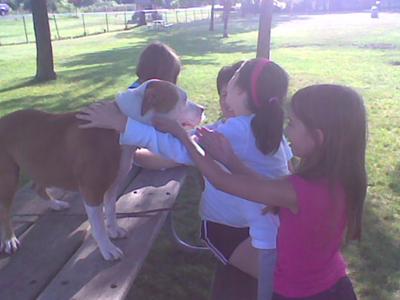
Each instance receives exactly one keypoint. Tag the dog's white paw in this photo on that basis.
(56, 193)
(10, 246)
(110, 252)
(116, 232)
(58, 205)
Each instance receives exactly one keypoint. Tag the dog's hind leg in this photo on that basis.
(9, 175)
(110, 196)
(50, 196)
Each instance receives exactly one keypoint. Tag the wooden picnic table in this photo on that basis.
(59, 259)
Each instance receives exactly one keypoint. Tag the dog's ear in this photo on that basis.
(149, 99)
(159, 96)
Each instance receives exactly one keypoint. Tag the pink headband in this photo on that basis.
(254, 78)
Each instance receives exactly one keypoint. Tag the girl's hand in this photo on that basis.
(216, 145)
(164, 124)
(103, 115)
(270, 210)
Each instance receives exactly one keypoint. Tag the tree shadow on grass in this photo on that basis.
(24, 83)
(394, 184)
(92, 74)
(52, 102)
(192, 43)
(376, 259)
(103, 69)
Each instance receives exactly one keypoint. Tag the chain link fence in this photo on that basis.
(18, 29)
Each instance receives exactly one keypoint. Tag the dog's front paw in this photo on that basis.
(10, 246)
(116, 232)
(110, 252)
(58, 205)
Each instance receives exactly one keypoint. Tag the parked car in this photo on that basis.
(4, 9)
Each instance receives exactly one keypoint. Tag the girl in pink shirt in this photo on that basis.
(321, 204)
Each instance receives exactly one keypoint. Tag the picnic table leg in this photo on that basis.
(232, 284)
(176, 239)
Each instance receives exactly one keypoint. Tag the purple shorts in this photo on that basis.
(222, 239)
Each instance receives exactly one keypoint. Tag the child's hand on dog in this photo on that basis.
(215, 144)
(103, 114)
(164, 124)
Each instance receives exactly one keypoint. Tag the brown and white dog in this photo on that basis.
(54, 152)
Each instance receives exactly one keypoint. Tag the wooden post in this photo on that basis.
(107, 23)
(186, 15)
(212, 16)
(26, 32)
(84, 25)
(126, 23)
(176, 16)
(264, 31)
(55, 23)
(227, 11)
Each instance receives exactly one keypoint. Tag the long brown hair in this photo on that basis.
(338, 112)
(225, 74)
(271, 84)
(158, 61)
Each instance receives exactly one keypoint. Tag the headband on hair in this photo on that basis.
(261, 63)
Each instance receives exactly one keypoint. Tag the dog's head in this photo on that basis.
(160, 97)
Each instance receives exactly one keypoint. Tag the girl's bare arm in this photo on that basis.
(149, 160)
(242, 182)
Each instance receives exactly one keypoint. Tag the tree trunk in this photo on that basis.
(212, 16)
(264, 31)
(227, 10)
(44, 51)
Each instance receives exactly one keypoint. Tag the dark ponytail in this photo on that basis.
(266, 91)
(267, 126)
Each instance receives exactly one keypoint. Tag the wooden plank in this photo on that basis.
(26, 201)
(46, 246)
(87, 275)
(37, 227)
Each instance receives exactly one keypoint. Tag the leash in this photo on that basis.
(137, 214)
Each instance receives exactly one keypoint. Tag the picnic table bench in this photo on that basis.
(59, 259)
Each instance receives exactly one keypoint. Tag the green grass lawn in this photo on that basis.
(351, 49)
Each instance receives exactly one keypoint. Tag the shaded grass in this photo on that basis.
(352, 49)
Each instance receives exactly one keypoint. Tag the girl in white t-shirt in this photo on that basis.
(236, 230)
